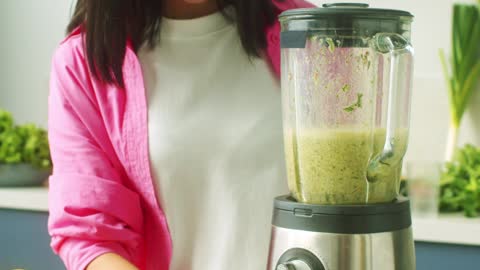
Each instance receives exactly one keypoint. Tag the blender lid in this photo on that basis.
(341, 19)
(353, 10)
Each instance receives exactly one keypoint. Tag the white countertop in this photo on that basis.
(30, 199)
(449, 229)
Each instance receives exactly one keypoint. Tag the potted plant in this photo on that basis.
(24, 153)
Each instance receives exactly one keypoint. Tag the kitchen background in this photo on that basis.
(31, 29)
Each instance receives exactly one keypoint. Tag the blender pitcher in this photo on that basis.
(346, 82)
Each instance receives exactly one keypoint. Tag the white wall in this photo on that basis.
(30, 30)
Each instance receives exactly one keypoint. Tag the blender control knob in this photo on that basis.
(294, 265)
(285, 266)
(299, 259)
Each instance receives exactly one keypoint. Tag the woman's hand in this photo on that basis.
(110, 261)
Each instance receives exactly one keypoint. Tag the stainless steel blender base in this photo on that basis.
(341, 237)
(376, 251)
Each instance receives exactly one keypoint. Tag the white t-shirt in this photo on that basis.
(215, 136)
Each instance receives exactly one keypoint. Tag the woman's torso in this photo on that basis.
(215, 144)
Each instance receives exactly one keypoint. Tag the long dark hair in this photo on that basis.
(108, 25)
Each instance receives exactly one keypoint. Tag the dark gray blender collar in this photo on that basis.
(343, 219)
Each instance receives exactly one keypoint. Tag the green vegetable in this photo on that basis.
(460, 184)
(464, 73)
(11, 144)
(356, 105)
(36, 150)
(6, 121)
(23, 144)
(331, 45)
(346, 88)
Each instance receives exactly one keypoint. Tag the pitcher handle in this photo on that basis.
(397, 48)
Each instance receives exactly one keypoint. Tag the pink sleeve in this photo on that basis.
(291, 4)
(273, 32)
(91, 211)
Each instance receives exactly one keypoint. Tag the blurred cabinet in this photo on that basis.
(435, 256)
(25, 243)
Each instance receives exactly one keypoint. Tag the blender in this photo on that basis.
(346, 83)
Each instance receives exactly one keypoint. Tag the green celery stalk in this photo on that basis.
(462, 72)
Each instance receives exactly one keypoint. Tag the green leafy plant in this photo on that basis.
(6, 121)
(460, 184)
(23, 144)
(463, 70)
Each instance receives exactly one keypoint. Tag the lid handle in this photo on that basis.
(346, 5)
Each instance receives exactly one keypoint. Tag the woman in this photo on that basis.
(165, 132)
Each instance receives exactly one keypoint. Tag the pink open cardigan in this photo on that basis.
(102, 197)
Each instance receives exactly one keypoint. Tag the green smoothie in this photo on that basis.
(329, 166)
